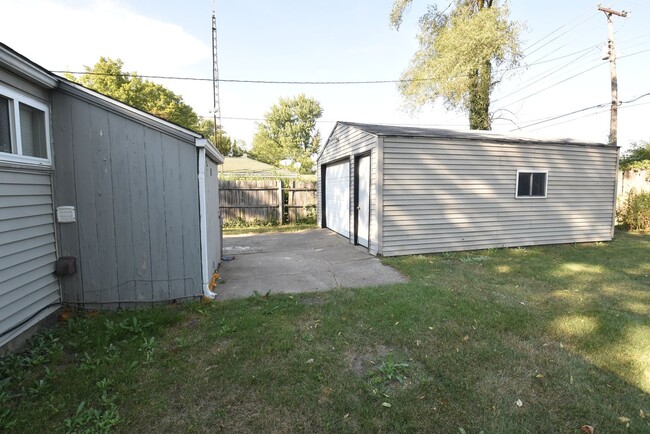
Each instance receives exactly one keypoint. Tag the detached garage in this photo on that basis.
(402, 190)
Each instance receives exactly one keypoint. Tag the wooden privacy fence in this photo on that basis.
(267, 201)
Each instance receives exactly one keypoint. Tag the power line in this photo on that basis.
(557, 30)
(305, 82)
(552, 118)
(569, 78)
(225, 80)
(557, 69)
(561, 34)
(541, 77)
(588, 115)
(554, 84)
(326, 121)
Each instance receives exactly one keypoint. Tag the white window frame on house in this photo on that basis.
(530, 196)
(16, 155)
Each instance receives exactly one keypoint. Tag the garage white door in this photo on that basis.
(337, 198)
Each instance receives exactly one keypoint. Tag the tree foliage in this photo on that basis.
(637, 157)
(107, 77)
(289, 133)
(458, 52)
(227, 146)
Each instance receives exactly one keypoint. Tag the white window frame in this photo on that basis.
(18, 98)
(545, 172)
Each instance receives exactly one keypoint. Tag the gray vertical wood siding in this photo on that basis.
(135, 191)
(445, 195)
(27, 248)
(351, 142)
(213, 219)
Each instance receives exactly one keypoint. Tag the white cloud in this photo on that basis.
(60, 35)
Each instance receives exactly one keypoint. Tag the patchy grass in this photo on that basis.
(292, 227)
(543, 339)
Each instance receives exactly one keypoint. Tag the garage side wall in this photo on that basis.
(135, 192)
(351, 142)
(460, 195)
(213, 215)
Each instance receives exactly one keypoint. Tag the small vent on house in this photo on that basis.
(66, 265)
(66, 214)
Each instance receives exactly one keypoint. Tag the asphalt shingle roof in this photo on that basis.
(440, 133)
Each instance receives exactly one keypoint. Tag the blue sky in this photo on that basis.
(292, 40)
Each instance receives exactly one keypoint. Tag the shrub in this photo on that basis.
(636, 158)
(635, 214)
(241, 223)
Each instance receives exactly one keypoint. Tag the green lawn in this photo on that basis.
(534, 340)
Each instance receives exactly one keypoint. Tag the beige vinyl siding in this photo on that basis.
(444, 195)
(352, 142)
(27, 249)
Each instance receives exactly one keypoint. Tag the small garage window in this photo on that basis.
(531, 184)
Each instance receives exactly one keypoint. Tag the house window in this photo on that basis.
(531, 184)
(24, 135)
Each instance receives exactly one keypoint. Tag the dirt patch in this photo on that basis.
(309, 325)
(313, 301)
(385, 368)
(192, 323)
(362, 362)
(220, 346)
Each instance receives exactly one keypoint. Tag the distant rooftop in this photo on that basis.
(245, 166)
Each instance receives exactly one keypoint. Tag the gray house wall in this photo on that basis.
(135, 190)
(352, 142)
(27, 240)
(437, 190)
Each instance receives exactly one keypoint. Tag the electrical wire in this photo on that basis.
(376, 123)
(297, 82)
(562, 34)
(527, 83)
(588, 115)
(554, 84)
(225, 80)
(552, 118)
(557, 30)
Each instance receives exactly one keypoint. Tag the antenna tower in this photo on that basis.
(216, 111)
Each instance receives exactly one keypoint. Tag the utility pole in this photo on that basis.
(216, 111)
(613, 122)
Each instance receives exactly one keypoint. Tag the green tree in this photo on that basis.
(637, 157)
(289, 133)
(228, 146)
(459, 48)
(107, 77)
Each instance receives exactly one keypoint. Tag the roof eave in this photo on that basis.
(108, 102)
(210, 149)
(26, 68)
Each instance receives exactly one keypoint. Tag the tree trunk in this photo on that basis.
(479, 98)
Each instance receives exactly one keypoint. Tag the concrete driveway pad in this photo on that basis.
(306, 261)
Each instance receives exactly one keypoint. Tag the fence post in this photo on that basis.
(290, 202)
(280, 203)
